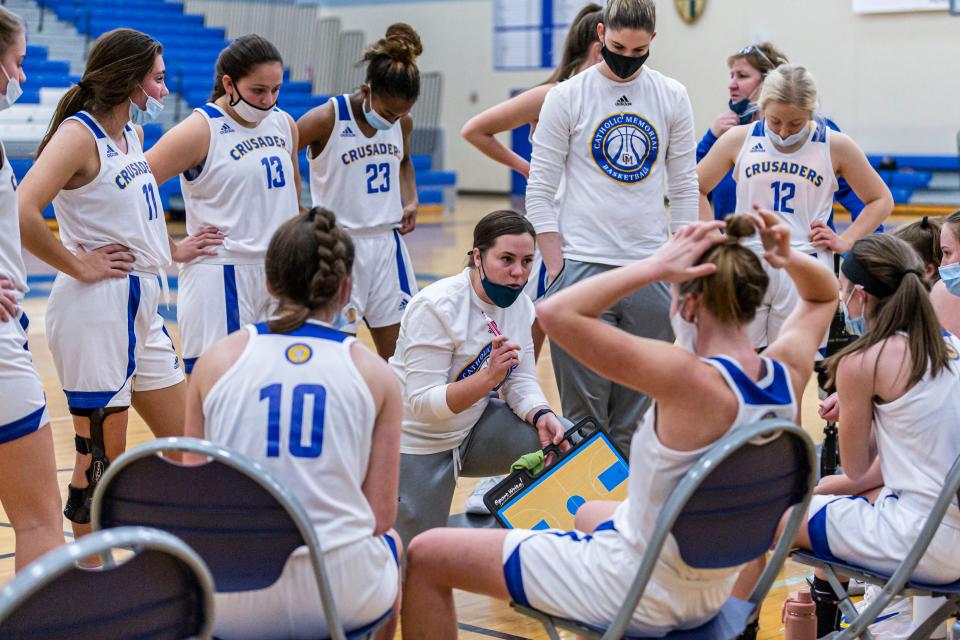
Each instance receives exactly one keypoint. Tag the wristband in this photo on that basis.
(538, 414)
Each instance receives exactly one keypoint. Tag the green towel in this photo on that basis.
(532, 462)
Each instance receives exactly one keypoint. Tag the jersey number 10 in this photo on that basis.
(314, 422)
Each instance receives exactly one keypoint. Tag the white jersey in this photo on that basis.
(621, 147)
(445, 338)
(245, 186)
(655, 470)
(797, 186)
(356, 177)
(917, 437)
(297, 404)
(11, 256)
(120, 205)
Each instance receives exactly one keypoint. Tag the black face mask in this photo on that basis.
(623, 66)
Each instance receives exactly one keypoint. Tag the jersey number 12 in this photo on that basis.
(312, 423)
(783, 193)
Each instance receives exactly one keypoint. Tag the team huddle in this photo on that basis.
(727, 296)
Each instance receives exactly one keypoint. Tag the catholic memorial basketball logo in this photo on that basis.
(625, 146)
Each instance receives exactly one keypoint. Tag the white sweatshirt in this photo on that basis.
(444, 338)
(616, 144)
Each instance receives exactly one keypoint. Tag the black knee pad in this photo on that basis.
(79, 500)
(77, 508)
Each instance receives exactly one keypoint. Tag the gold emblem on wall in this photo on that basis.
(690, 10)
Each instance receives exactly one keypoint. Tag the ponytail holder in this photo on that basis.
(917, 272)
(84, 88)
(924, 223)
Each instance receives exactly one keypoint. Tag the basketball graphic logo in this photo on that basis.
(299, 353)
(625, 147)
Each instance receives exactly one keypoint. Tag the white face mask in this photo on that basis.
(374, 119)
(13, 91)
(143, 116)
(686, 332)
(249, 112)
(789, 141)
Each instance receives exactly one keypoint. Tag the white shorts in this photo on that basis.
(586, 577)
(108, 339)
(537, 282)
(383, 281)
(363, 579)
(878, 536)
(214, 300)
(23, 408)
(778, 303)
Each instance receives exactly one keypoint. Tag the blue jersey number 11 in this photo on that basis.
(314, 422)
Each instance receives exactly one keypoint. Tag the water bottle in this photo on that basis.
(799, 617)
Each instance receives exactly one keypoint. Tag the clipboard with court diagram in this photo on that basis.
(594, 469)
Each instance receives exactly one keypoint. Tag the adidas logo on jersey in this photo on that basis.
(623, 102)
(758, 148)
(347, 133)
(111, 153)
(225, 129)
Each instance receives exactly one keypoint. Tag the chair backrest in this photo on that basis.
(726, 509)
(738, 506)
(240, 520)
(164, 591)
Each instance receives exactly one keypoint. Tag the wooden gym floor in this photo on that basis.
(438, 247)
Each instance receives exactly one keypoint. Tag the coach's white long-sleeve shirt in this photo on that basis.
(445, 338)
(617, 145)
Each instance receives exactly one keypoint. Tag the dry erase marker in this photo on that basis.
(494, 329)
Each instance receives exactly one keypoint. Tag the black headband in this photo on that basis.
(857, 274)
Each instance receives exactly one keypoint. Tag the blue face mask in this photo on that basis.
(374, 119)
(790, 140)
(744, 109)
(950, 275)
(855, 326)
(143, 116)
(500, 294)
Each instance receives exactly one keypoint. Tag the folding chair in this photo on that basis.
(163, 592)
(240, 520)
(899, 582)
(724, 513)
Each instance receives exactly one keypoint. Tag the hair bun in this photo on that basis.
(401, 43)
(739, 226)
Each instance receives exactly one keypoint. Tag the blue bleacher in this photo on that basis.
(190, 52)
(920, 163)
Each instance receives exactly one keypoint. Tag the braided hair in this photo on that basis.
(307, 261)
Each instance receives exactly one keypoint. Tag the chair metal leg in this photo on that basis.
(848, 609)
(936, 619)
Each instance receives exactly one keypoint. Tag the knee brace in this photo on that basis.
(77, 508)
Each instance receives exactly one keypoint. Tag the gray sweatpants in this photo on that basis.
(427, 481)
(646, 313)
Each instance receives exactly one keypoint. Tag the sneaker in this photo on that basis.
(474, 502)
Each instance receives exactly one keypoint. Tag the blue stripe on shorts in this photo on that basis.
(230, 294)
(22, 427)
